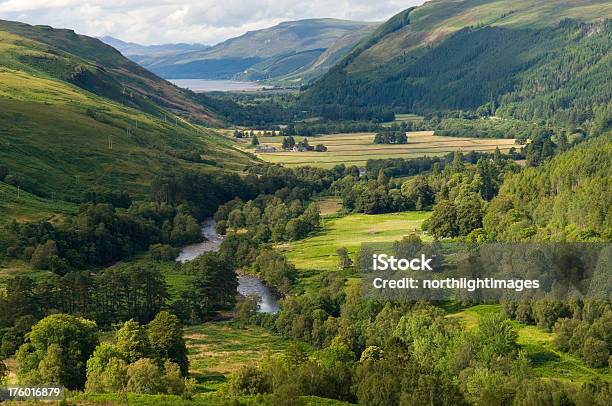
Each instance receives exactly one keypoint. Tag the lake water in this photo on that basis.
(247, 284)
(205, 85)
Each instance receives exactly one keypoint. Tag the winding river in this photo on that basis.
(247, 284)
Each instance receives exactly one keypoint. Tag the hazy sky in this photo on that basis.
(203, 21)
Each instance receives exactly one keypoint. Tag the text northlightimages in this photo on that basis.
(383, 262)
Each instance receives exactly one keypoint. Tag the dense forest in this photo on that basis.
(557, 74)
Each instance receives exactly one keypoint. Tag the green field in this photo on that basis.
(357, 148)
(218, 349)
(319, 251)
(546, 361)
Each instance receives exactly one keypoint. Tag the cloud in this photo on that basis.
(202, 21)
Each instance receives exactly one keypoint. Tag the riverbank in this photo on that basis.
(247, 284)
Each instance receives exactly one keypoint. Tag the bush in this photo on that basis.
(144, 377)
(250, 380)
(163, 252)
(595, 352)
(41, 258)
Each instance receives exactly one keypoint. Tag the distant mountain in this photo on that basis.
(530, 59)
(147, 54)
(293, 49)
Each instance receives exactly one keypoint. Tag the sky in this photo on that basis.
(191, 21)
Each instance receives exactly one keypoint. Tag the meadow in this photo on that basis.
(218, 349)
(538, 346)
(357, 148)
(318, 252)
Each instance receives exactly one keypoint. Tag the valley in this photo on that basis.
(172, 233)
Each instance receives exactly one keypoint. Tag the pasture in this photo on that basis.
(357, 148)
(318, 253)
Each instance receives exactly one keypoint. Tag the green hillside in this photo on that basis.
(91, 65)
(75, 114)
(526, 58)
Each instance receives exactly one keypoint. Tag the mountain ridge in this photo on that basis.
(271, 53)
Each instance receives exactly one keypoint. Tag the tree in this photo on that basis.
(185, 230)
(254, 141)
(3, 372)
(443, 220)
(163, 252)
(52, 365)
(595, 352)
(469, 213)
(418, 192)
(214, 283)
(343, 258)
(144, 376)
(496, 336)
(43, 254)
(247, 309)
(276, 270)
(58, 346)
(250, 380)
(133, 341)
(106, 370)
(288, 142)
(166, 340)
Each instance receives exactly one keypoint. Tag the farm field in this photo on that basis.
(319, 251)
(537, 344)
(357, 148)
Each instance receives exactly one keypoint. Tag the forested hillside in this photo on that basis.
(527, 60)
(566, 198)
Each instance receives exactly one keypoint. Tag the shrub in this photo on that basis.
(163, 252)
(144, 377)
(250, 380)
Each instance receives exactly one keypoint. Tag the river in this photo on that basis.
(247, 284)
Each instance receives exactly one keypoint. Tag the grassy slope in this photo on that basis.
(327, 59)
(94, 66)
(55, 135)
(261, 54)
(547, 361)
